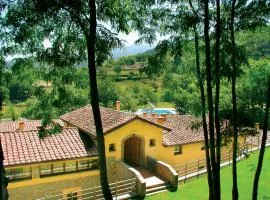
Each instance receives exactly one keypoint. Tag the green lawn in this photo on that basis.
(163, 104)
(197, 188)
(129, 83)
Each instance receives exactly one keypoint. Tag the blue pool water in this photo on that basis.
(158, 111)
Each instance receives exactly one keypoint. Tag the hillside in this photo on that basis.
(125, 79)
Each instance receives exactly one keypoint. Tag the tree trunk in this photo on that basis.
(217, 120)
(264, 138)
(3, 180)
(205, 131)
(1, 173)
(234, 117)
(209, 93)
(95, 101)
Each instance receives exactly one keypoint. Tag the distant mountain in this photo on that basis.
(130, 50)
(117, 53)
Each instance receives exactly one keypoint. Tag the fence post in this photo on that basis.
(198, 168)
(229, 157)
(185, 172)
(258, 142)
(95, 197)
(251, 144)
(116, 188)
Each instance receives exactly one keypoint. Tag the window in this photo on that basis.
(72, 196)
(45, 169)
(177, 149)
(70, 166)
(112, 147)
(67, 167)
(152, 143)
(18, 173)
(58, 168)
(83, 165)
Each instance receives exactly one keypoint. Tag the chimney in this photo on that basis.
(144, 114)
(160, 120)
(21, 125)
(257, 125)
(39, 127)
(117, 105)
(164, 116)
(153, 115)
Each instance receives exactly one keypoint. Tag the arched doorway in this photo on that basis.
(132, 151)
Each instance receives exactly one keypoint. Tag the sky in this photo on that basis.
(130, 38)
(129, 43)
(131, 47)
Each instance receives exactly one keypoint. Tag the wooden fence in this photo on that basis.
(95, 193)
(195, 167)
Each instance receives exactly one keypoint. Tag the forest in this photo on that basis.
(27, 83)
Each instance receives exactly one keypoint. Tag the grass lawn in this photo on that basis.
(198, 189)
(163, 104)
(129, 83)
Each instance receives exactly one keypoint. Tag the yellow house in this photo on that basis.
(133, 139)
(67, 162)
(54, 165)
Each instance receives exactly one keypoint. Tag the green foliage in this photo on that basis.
(128, 100)
(255, 42)
(133, 97)
(20, 80)
(117, 69)
(12, 112)
(19, 92)
(183, 91)
(63, 96)
(108, 93)
(252, 85)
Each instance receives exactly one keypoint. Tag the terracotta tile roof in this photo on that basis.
(176, 127)
(8, 126)
(258, 138)
(84, 120)
(181, 133)
(25, 147)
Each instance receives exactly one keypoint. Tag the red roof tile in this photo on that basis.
(24, 147)
(181, 132)
(177, 128)
(9, 126)
(6, 126)
(111, 119)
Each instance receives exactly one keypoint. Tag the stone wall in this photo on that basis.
(56, 185)
(168, 173)
(52, 188)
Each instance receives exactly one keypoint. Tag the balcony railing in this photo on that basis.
(18, 175)
(69, 168)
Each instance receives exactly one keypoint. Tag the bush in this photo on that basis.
(20, 92)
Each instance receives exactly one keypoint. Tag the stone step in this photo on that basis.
(125, 196)
(155, 185)
(156, 189)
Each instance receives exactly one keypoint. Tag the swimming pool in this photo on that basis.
(158, 111)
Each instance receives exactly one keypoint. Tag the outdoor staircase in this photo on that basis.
(154, 189)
